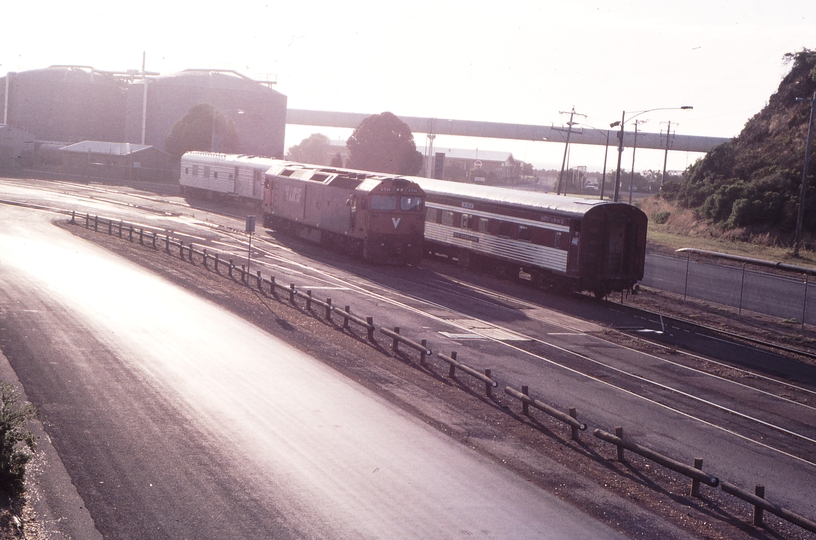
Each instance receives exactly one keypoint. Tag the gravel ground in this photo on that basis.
(638, 498)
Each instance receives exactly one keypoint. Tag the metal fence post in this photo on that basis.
(804, 306)
(759, 491)
(619, 434)
(452, 369)
(574, 429)
(395, 343)
(695, 484)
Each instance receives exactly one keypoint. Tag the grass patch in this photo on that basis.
(16, 441)
(672, 228)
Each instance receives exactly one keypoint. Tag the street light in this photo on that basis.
(622, 123)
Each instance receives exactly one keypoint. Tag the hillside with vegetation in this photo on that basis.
(748, 188)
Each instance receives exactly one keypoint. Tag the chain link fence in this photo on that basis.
(786, 296)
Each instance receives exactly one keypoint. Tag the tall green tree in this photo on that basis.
(384, 143)
(314, 149)
(203, 127)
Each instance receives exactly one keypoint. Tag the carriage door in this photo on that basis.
(615, 251)
(257, 178)
(574, 249)
(268, 194)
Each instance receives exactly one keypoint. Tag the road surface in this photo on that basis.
(175, 419)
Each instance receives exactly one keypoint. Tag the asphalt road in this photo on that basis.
(175, 419)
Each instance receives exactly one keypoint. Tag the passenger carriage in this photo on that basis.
(584, 244)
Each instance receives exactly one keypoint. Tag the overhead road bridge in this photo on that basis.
(522, 132)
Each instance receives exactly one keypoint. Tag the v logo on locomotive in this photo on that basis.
(396, 221)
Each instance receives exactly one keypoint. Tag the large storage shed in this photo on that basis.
(65, 103)
(258, 111)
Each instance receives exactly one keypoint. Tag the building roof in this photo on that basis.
(103, 147)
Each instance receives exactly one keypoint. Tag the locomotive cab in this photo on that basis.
(390, 212)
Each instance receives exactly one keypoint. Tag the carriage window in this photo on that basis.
(410, 203)
(466, 221)
(506, 228)
(525, 233)
(186, 170)
(483, 224)
(215, 175)
(195, 170)
(543, 237)
(431, 215)
(206, 172)
(447, 217)
(561, 241)
(383, 202)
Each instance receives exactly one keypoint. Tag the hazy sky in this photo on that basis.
(517, 61)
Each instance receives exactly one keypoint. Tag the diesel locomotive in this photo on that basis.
(376, 217)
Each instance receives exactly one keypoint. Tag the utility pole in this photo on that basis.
(566, 149)
(634, 149)
(798, 240)
(666, 154)
(144, 96)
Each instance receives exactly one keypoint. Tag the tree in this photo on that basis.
(384, 143)
(337, 160)
(314, 149)
(203, 127)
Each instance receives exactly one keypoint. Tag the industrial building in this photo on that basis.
(257, 111)
(60, 106)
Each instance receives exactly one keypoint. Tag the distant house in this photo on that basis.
(456, 164)
(477, 166)
(16, 147)
(119, 161)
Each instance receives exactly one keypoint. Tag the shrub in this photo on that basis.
(16, 441)
(661, 217)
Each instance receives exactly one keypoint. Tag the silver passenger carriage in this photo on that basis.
(583, 244)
